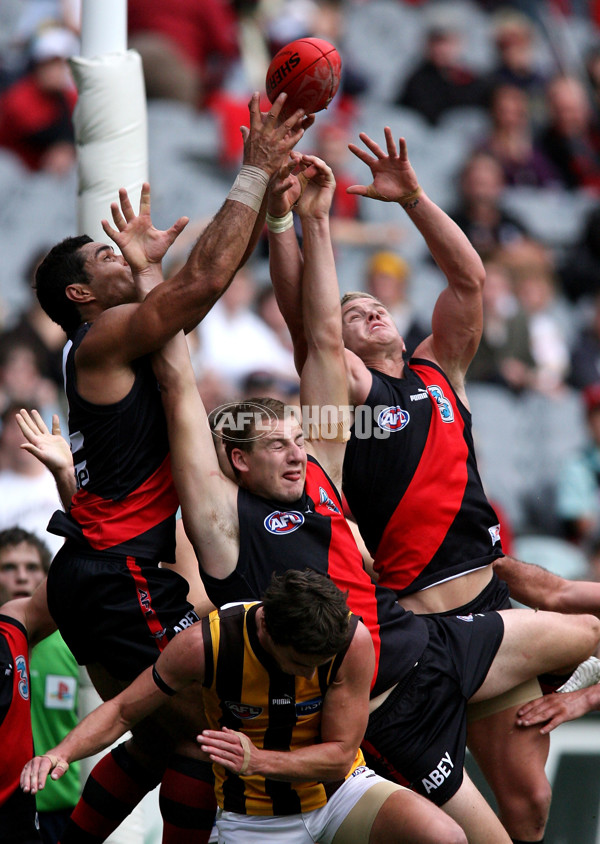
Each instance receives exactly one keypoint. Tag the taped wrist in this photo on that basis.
(280, 224)
(249, 187)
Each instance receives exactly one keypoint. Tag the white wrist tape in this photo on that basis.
(249, 187)
(280, 224)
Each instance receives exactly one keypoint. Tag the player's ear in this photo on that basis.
(239, 460)
(79, 293)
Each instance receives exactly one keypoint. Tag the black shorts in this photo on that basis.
(118, 611)
(495, 596)
(418, 735)
(18, 819)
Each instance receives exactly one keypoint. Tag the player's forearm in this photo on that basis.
(536, 587)
(286, 266)
(66, 485)
(97, 731)
(449, 246)
(322, 762)
(321, 311)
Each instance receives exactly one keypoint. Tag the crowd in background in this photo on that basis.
(500, 105)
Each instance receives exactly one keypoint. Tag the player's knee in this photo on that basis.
(527, 807)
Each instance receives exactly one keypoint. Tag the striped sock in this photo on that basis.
(113, 789)
(187, 801)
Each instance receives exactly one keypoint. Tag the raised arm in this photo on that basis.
(180, 664)
(125, 333)
(457, 317)
(344, 720)
(208, 498)
(285, 258)
(323, 387)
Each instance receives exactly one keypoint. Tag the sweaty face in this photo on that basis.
(275, 467)
(111, 280)
(367, 327)
(21, 570)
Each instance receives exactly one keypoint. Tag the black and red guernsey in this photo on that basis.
(15, 714)
(125, 500)
(313, 533)
(414, 488)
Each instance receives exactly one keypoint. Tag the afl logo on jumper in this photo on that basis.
(243, 710)
(393, 418)
(284, 521)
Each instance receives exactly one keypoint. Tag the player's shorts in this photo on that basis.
(18, 819)
(496, 596)
(357, 800)
(115, 610)
(418, 735)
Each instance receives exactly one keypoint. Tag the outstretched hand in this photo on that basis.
(552, 710)
(50, 447)
(393, 175)
(141, 244)
(35, 773)
(269, 141)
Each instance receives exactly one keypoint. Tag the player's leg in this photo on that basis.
(513, 759)
(475, 816)
(538, 643)
(408, 817)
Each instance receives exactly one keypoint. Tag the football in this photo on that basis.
(309, 71)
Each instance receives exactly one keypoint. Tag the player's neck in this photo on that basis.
(391, 363)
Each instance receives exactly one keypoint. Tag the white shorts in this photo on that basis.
(319, 825)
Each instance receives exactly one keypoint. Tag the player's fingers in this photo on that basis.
(127, 212)
(144, 199)
(40, 422)
(357, 190)
(360, 153)
(371, 144)
(177, 227)
(276, 106)
(112, 233)
(403, 149)
(390, 143)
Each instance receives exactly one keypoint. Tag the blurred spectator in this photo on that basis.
(187, 46)
(257, 384)
(578, 486)
(510, 141)
(35, 328)
(504, 355)
(592, 66)
(21, 380)
(387, 279)
(35, 111)
(516, 64)
(233, 341)
(268, 310)
(440, 81)
(580, 264)
(479, 212)
(585, 353)
(27, 489)
(571, 135)
(533, 277)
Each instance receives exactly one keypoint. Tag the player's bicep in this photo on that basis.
(346, 706)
